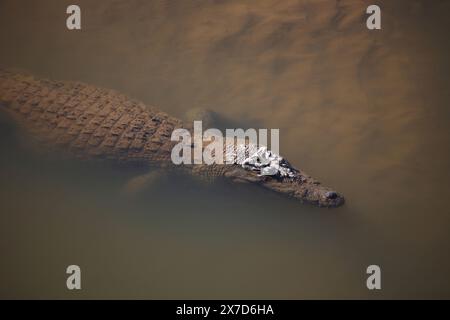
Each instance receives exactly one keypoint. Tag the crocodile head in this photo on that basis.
(301, 187)
(273, 172)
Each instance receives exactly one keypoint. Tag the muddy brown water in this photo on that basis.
(364, 112)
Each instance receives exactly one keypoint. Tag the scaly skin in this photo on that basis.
(95, 123)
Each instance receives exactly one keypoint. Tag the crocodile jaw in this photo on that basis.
(300, 187)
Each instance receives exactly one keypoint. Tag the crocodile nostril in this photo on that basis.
(331, 195)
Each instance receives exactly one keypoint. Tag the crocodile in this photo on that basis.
(94, 123)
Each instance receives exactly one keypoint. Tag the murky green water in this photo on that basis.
(364, 112)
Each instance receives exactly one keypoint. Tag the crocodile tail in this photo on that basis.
(6, 83)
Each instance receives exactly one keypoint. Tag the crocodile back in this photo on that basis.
(87, 121)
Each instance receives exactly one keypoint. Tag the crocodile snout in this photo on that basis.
(331, 195)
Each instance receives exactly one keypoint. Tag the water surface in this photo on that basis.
(364, 112)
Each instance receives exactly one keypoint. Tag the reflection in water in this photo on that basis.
(365, 112)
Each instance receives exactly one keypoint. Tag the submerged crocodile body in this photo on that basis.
(94, 123)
